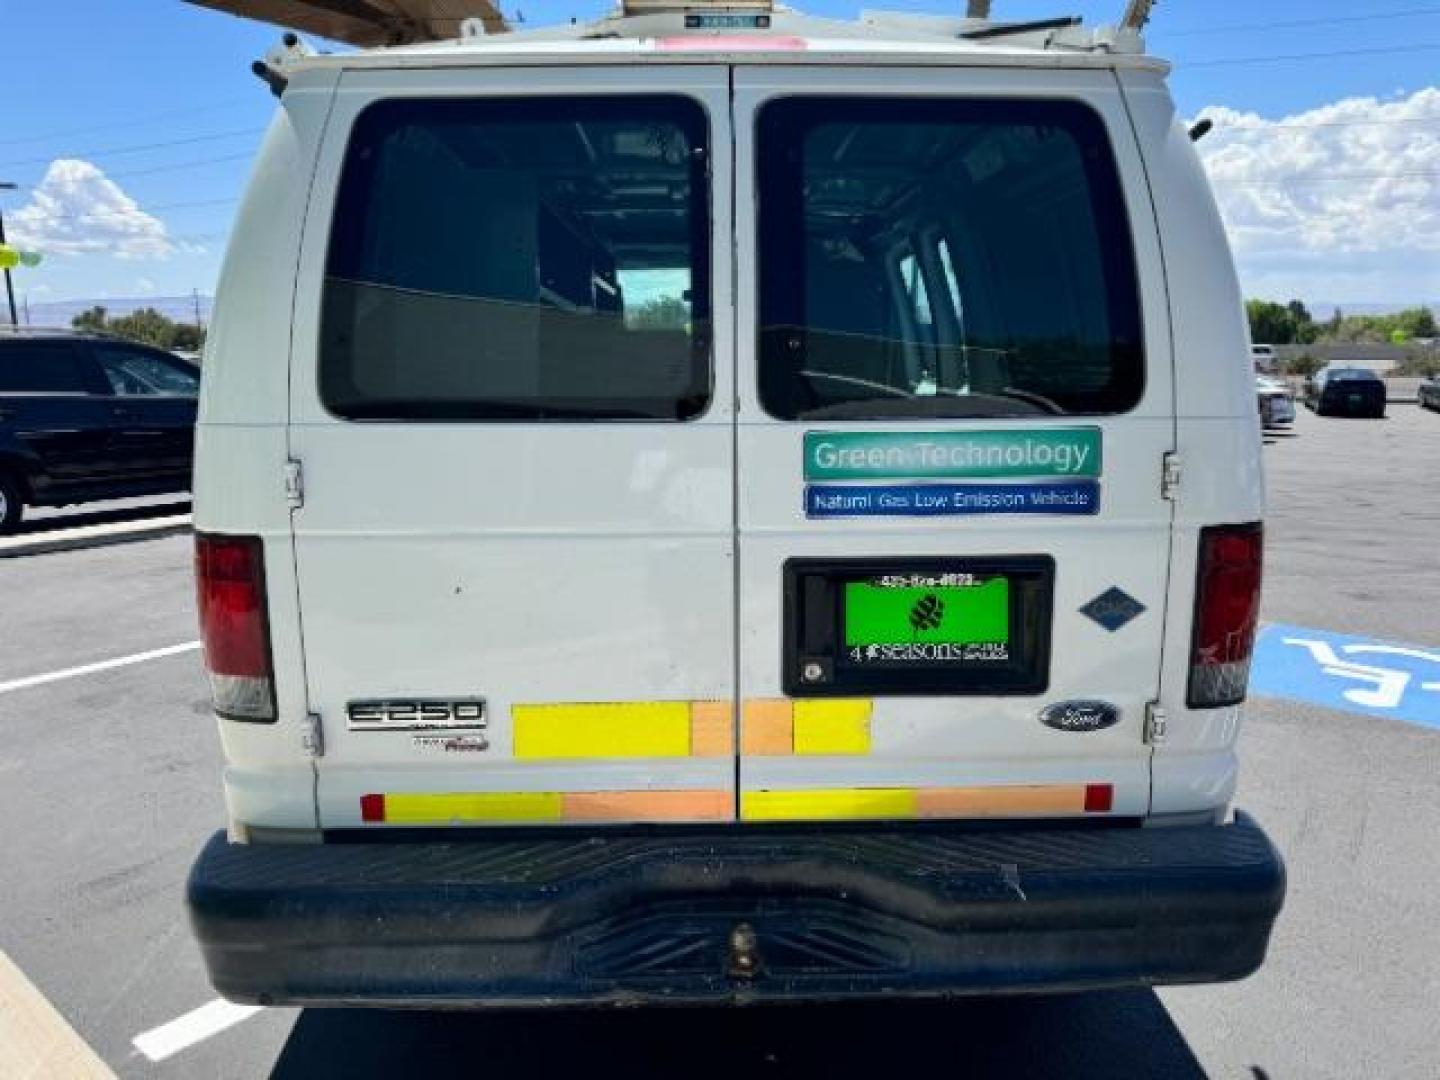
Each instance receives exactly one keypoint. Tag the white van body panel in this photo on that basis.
(241, 443)
(1218, 440)
(412, 537)
(515, 562)
(980, 741)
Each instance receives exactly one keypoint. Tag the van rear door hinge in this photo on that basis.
(1155, 719)
(294, 484)
(312, 736)
(1169, 475)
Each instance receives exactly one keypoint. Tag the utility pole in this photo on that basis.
(195, 295)
(6, 185)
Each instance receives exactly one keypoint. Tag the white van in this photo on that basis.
(718, 505)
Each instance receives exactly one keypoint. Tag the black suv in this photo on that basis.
(89, 417)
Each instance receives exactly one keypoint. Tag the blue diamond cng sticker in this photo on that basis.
(1112, 609)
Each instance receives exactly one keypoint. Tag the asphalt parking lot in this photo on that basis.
(109, 785)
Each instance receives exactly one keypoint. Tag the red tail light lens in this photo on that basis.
(1227, 611)
(230, 586)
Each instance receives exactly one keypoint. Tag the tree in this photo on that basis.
(1270, 323)
(93, 319)
(1280, 324)
(146, 325)
(661, 313)
(1417, 323)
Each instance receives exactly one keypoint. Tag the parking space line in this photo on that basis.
(36, 1043)
(102, 665)
(196, 1026)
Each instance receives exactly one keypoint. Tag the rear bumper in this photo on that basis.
(623, 919)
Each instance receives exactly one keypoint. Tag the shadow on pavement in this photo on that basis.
(1074, 1036)
(53, 522)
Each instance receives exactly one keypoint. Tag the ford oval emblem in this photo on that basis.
(1080, 715)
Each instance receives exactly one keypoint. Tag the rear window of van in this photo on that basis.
(520, 259)
(931, 258)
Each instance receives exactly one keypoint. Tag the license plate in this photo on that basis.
(1353, 399)
(955, 626)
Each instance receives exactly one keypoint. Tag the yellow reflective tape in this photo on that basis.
(836, 726)
(832, 804)
(617, 729)
(419, 808)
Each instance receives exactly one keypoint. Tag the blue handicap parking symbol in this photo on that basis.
(1353, 674)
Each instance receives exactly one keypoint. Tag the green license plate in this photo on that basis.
(919, 618)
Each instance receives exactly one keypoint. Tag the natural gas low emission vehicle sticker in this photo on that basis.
(847, 464)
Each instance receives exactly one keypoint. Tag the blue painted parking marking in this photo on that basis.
(1352, 674)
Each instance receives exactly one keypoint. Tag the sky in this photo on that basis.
(130, 126)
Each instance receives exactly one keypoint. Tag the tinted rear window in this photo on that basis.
(520, 259)
(36, 367)
(1353, 375)
(943, 258)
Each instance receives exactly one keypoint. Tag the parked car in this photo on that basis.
(86, 417)
(834, 635)
(1429, 392)
(1276, 401)
(1346, 392)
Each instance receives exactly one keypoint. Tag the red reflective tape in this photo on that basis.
(372, 807)
(1099, 798)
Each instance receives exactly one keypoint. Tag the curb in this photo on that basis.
(88, 536)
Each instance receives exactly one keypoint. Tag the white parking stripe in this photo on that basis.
(90, 669)
(195, 1026)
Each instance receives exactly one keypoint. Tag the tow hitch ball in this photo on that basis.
(744, 952)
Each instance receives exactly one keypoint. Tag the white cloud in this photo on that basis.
(77, 209)
(1341, 202)
(144, 285)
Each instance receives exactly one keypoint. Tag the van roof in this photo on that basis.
(752, 33)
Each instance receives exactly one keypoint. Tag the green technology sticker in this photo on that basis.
(884, 455)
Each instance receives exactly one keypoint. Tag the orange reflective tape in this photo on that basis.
(648, 806)
(712, 729)
(1050, 800)
(768, 729)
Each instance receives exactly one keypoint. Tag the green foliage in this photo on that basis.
(660, 313)
(1280, 324)
(1304, 364)
(146, 325)
(1419, 362)
(1291, 324)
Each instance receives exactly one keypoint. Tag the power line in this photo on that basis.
(1299, 23)
(135, 121)
(180, 165)
(133, 148)
(1384, 51)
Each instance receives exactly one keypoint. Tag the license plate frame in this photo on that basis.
(815, 663)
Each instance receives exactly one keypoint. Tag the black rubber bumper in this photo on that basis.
(738, 914)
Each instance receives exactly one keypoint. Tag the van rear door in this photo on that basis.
(513, 412)
(956, 402)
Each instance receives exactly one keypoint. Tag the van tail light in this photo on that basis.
(1227, 611)
(230, 586)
